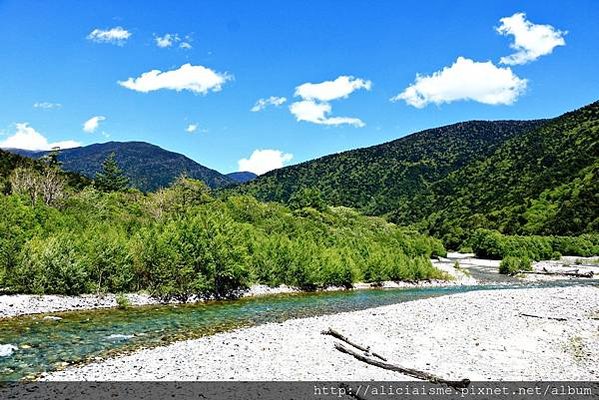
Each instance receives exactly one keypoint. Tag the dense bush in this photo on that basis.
(52, 266)
(182, 241)
(512, 265)
(492, 244)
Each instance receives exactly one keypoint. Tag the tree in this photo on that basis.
(51, 158)
(112, 178)
(307, 197)
(25, 182)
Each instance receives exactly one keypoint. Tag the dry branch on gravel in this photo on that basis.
(543, 317)
(386, 365)
(575, 273)
(339, 336)
(425, 376)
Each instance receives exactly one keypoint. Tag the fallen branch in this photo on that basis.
(576, 273)
(339, 336)
(406, 371)
(543, 317)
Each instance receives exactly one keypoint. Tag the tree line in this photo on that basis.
(185, 240)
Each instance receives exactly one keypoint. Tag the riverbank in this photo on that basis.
(15, 305)
(510, 334)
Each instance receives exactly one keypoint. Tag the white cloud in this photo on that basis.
(262, 161)
(46, 105)
(531, 41)
(93, 123)
(315, 107)
(167, 40)
(311, 111)
(185, 45)
(465, 80)
(195, 78)
(191, 128)
(116, 35)
(261, 104)
(27, 138)
(341, 87)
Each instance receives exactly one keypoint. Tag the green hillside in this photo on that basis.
(541, 182)
(517, 176)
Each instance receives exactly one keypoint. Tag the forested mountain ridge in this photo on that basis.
(544, 181)
(382, 178)
(520, 177)
(147, 166)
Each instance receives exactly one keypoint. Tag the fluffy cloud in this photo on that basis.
(27, 138)
(311, 111)
(531, 41)
(465, 80)
(195, 78)
(262, 161)
(261, 104)
(191, 128)
(315, 107)
(185, 45)
(46, 105)
(93, 123)
(340, 88)
(116, 35)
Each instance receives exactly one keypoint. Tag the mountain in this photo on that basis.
(147, 166)
(516, 176)
(545, 181)
(242, 176)
(381, 178)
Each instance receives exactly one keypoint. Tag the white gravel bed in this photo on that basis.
(477, 335)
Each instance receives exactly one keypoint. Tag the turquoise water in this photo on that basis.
(44, 344)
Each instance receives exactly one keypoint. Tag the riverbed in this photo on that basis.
(511, 334)
(36, 344)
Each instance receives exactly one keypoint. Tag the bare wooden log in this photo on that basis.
(577, 274)
(543, 317)
(425, 376)
(339, 336)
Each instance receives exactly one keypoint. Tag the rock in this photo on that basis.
(7, 349)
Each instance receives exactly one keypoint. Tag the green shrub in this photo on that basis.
(122, 301)
(182, 242)
(512, 265)
(487, 244)
(492, 244)
(50, 266)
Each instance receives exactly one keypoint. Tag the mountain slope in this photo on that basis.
(521, 177)
(382, 178)
(543, 182)
(148, 167)
(242, 176)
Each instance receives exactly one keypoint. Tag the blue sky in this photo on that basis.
(62, 62)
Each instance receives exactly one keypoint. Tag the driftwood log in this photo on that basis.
(543, 317)
(575, 273)
(382, 362)
(339, 336)
(406, 371)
